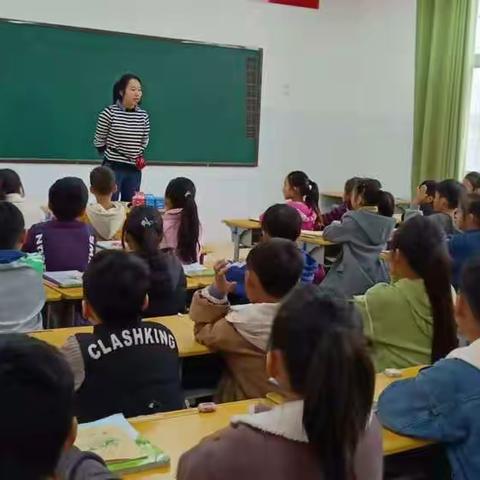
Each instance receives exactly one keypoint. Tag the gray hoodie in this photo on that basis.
(22, 294)
(363, 235)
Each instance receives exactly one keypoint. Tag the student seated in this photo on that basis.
(278, 221)
(472, 182)
(143, 232)
(442, 402)
(410, 321)
(425, 197)
(65, 242)
(37, 416)
(126, 365)
(11, 190)
(241, 334)
(302, 194)
(363, 234)
(106, 217)
(325, 430)
(181, 225)
(22, 294)
(337, 213)
(464, 246)
(448, 196)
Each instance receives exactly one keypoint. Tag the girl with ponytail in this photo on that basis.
(363, 234)
(142, 234)
(181, 222)
(411, 321)
(319, 357)
(303, 195)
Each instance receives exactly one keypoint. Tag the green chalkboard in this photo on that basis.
(203, 99)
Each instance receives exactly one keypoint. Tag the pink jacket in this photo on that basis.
(171, 224)
(309, 217)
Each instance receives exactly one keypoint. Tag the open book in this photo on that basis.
(197, 270)
(120, 445)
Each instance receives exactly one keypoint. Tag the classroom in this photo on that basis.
(240, 239)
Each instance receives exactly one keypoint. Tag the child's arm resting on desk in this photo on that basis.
(340, 232)
(424, 407)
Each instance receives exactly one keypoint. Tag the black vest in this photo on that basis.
(134, 371)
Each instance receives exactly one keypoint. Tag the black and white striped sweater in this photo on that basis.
(123, 133)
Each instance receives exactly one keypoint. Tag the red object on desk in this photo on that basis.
(298, 3)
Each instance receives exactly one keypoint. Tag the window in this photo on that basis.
(473, 145)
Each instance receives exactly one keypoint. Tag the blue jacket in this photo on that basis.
(236, 273)
(442, 404)
(463, 247)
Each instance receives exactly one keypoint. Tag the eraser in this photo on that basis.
(392, 372)
(207, 407)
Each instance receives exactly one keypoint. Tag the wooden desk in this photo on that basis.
(76, 293)
(180, 325)
(242, 237)
(242, 234)
(52, 295)
(177, 432)
(392, 442)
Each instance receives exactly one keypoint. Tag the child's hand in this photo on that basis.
(221, 283)
(421, 195)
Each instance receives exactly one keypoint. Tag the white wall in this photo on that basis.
(337, 96)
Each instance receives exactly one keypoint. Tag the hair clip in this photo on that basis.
(146, 222)
(188, 194)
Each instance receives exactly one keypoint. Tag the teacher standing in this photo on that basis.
(122, 135)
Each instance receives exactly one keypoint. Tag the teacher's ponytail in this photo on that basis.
(121, 85)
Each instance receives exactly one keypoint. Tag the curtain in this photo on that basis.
(443, 75)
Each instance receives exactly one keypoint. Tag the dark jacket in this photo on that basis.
(266, 449)
(463, 247)
(132, 370)
(64, 245)
(335, 214)
(236, 273)
(168, 288)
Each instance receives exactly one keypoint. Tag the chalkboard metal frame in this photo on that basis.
(153, 37)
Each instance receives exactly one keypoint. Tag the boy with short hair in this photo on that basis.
(36, 415)
(466, 245)
(425, 197)
(106, 217)
(241, 334)
(278, 221)
(22, 295)
(65, 242)
(442, 402)
(448, 195)
(126, 365)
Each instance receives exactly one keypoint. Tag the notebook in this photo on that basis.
(122, 448)
(197, 270)
(110, 245)
(65, 279)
